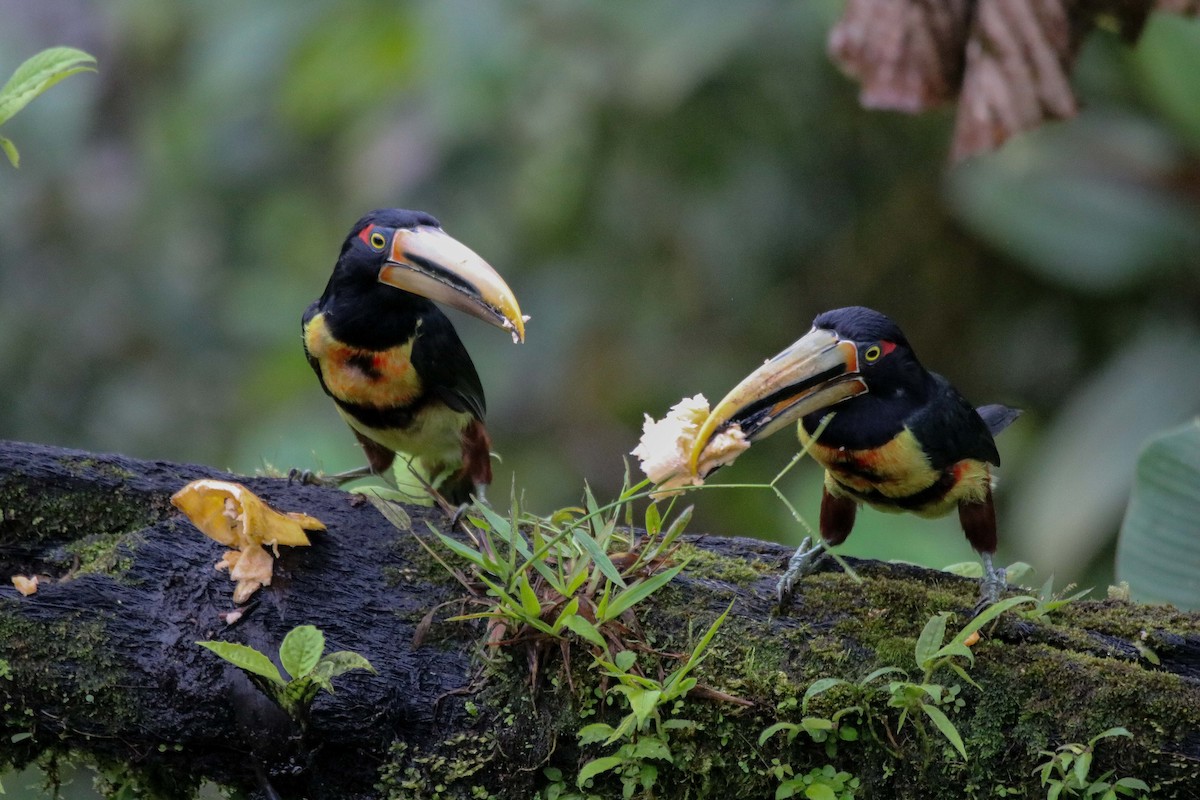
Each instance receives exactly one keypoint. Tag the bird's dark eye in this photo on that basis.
(378, 240)
(872, 354)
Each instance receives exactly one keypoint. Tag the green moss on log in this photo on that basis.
(109, 554)
(72, 513)
(36, 697)
(1034, 696)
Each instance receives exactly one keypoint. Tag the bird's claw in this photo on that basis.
(800, 564)
(459, 513)
(477, 500)
(993, 583)
(305, 477)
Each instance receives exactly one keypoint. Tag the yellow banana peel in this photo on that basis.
(239, 519)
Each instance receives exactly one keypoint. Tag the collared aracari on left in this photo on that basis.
(901, 438)
(392, 361)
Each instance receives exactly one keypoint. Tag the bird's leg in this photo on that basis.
(476, 469)
(837, 519)
(993, 583)
(379, 458)
(979, 524)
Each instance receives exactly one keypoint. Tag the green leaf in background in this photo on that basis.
(1075, 483)
(34, 76)
(1168, 60)
(301, 650)
(246, 658)
(1059, 203)
(1158, 552)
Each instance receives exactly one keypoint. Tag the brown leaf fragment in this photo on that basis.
(1189, 8)
(702, 692)
(907, 54)
(1018, 62)
(236, 517)
(25, 585)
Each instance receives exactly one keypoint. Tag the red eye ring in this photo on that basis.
(372, 238)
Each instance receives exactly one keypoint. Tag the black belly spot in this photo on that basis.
(365, 364)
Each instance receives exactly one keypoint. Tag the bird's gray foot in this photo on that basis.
(307, 477)
(991, 585)
(800, 564)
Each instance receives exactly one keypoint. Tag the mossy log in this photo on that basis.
(101, 663)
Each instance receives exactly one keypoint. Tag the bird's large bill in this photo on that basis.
(429, 262)
(815, 372)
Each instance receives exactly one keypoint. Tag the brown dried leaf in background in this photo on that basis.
(1184, 7)
(1007, 61)
(1018, 63)
(907, 54)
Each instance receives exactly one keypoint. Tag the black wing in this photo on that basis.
(445, 368)
(949, 429)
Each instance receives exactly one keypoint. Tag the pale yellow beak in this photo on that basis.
(815, 372)
(429, 262)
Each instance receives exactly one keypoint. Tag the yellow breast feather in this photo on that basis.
(379, 378)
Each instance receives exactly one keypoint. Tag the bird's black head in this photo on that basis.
(395, 262)
(382, 221)
(886, 361)
(860, 324)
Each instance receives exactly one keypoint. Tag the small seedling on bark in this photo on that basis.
(303, 657)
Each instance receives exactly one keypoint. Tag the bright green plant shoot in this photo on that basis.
(570, 574)
(303, 659)
(33, 77)
(644, 733)
(922, 699)
(1068, 773)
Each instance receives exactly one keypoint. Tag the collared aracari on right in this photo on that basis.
(901, 438)
(391, 360)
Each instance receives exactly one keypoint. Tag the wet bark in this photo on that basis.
(102, 663)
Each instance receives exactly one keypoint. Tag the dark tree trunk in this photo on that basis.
(102, 663)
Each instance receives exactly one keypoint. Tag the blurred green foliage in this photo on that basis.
(673, 191)
(1158, 552)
